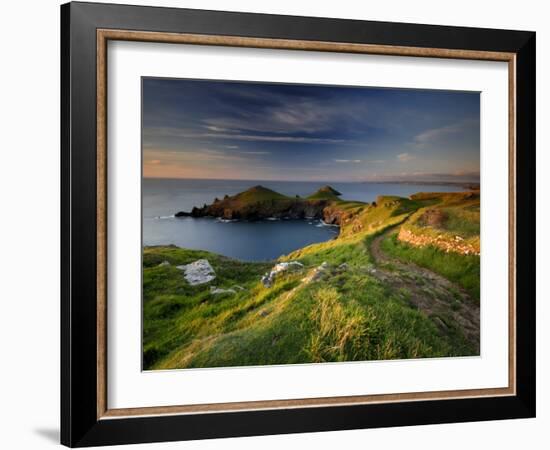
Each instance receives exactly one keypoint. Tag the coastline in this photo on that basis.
(425, 299)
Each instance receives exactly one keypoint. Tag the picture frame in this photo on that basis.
(86, 29)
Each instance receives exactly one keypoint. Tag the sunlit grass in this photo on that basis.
(346, 315)
(462, 269)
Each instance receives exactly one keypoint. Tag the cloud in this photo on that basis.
(405, 157)
(296, 128)
(191, 156)
(279, 115)
(441, 133)
(256, 153)
(215, 164)
(214, 128)
(435, 134)
(192, 134)
(260, 138)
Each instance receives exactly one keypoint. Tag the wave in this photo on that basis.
(322, 223)
(165, 217)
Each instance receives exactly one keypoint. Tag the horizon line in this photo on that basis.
(478, 181)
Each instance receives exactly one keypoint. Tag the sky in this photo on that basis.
(297, 132)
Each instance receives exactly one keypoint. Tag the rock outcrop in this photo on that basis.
(198, 272)
(319, 272)
(334, 215)
(448, 244)
(258, 203)
(269, 277)
(277, 209)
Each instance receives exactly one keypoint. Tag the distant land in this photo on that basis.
(259, 203)
(470, 185)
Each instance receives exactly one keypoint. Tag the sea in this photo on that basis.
(248, 241)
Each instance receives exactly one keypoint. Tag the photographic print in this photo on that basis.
(297, 224)
(296, 215)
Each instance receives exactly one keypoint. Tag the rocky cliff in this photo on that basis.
(258, 203)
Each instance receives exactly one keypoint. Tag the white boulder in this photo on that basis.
(318, 272)
(198, 272)
(292, 266)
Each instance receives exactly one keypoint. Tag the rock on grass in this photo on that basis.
(198, 272)
(268, 278)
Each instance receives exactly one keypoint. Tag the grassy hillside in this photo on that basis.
(451, 221)
(259, 202)
(256, 194)
(357, 297)
(176, 313)
(462, 269)
(454, 216)
(326, 192)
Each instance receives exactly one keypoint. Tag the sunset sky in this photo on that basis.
(258, 131)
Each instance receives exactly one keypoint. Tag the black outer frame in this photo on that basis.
(79, 423)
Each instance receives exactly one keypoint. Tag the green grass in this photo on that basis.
(326, 192)
(347, 315)
(461, 269)
(351, 251)
(257, 194)
(174, 312)
(462, 221)
(372, 325)
(453, 216)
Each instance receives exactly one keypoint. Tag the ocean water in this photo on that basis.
(248, 241)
